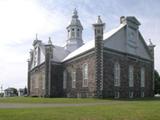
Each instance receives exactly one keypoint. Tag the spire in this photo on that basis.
(50, 41)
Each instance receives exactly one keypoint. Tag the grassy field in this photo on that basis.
(140, 109)
(65, 100)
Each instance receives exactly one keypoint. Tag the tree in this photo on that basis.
(157, 82)
(25, 91)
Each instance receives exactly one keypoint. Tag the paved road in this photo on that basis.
(39, 105)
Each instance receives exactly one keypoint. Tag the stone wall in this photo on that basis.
(37, 81)
(76, 65)
(110, 57)
(56, 80)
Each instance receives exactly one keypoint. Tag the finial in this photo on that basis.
(75, 13)
(99, 21)
(150, 42)
(36, 36)
(49, 41)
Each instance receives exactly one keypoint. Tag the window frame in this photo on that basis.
(117, 74)
(74, 79)
(64, 79)
(131, 75)
(142, 77)
(85, 75)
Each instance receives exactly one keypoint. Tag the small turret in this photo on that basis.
(74, 30)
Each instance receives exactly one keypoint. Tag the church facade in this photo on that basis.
(116, 64)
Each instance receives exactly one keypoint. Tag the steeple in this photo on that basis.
(74, 30)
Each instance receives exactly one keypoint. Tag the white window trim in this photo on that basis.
(85, 75)
(142, 77)
(117, 74)
(131, 76)
(74, 79)
(64, 79)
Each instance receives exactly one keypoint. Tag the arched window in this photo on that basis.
(78, 34)
(72, 33)
(39, 55)
(35, 56)
(142, 77)
(43, 80)
(73, 79)
(85, 75)
(131, 76)
(116, 74)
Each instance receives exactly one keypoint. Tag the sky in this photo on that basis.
(21, 20)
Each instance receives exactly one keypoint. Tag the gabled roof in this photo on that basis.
(59, 53)
(91, 44)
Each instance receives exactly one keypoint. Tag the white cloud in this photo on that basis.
(20, 20)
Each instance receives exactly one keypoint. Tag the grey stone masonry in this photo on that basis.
(76, 65)
(98, 29)
(109, 90)
(48, 57)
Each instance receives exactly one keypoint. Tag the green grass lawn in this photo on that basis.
(141, 109)
(65, 100)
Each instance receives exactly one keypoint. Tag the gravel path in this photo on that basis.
(39, 105)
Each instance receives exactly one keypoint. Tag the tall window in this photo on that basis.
(73, 79)
(78, 33)
(72, 33)
(36, 82)
(43, 80)
(85, 75)
(64, 79)
(131, 76)
(35, 56)
(39, 56)
(142, 77)
(116, 74)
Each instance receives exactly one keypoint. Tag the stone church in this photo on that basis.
(116, 64)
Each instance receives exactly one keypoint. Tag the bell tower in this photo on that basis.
(74, 31)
